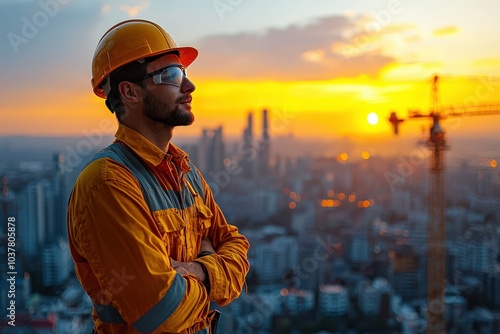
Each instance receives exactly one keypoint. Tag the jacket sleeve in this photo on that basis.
(120, 260)
(228, 267)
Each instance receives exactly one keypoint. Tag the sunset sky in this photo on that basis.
(319, 66)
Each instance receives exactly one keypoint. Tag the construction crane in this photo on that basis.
(437, 144)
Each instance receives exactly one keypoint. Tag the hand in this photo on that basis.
(189, 268)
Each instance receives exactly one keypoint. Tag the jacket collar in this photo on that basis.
(150, 152)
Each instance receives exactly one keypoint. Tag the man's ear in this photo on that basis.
(130, 92)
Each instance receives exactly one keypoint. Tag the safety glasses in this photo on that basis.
(170, 75)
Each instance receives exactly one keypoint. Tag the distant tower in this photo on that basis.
(264, 147)
(217, 149)
(212, 150)
(247, 151)
(36, 213)
(249, 129)
(403, 272)
(278, 167)
(57, 228)
(202, 151)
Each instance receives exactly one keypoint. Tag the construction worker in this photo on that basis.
(151, 247)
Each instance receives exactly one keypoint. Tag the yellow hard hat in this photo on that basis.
(129, 41)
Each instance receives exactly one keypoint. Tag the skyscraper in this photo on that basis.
(212, 151)
(403, 271)
(56, 228)
(246, 150)
(34, 213)
(264, 146)
(56, 263)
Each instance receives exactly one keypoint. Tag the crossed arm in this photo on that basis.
(193, 267)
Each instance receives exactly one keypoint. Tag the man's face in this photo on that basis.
(168, 104)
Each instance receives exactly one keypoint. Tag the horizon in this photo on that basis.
(461, 149)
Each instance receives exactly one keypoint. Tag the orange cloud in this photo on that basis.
(448, 30)
(133, 11)
(294, 53)
(313, 55)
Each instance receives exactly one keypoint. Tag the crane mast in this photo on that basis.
(436, 252)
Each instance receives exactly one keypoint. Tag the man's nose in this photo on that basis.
(187, 86)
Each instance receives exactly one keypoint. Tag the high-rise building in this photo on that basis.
(274, 257)
(211, 159)
(264, 147)
(333, 300)
(473, 251)
(404, 272)
(56, 228)
(35, 210)
(374, 298)
(247, 150)
(56, 263)
(42, 209)
(297, 301)
(248, 132)
(360, 251)
(492, 289)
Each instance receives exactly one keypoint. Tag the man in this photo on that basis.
(150, 245)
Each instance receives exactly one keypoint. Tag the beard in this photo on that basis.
(159, 111)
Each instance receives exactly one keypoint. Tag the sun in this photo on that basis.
(372, 118)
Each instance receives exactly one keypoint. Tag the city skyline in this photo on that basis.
(343, 229)
(480, 150)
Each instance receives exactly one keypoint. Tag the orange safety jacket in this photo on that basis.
(133, 208)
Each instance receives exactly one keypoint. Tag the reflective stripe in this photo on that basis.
(155, 316)
(151, 188)
(109, 314)
(164, 308)
(156, 197)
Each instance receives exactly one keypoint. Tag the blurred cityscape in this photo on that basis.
(338, 243)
